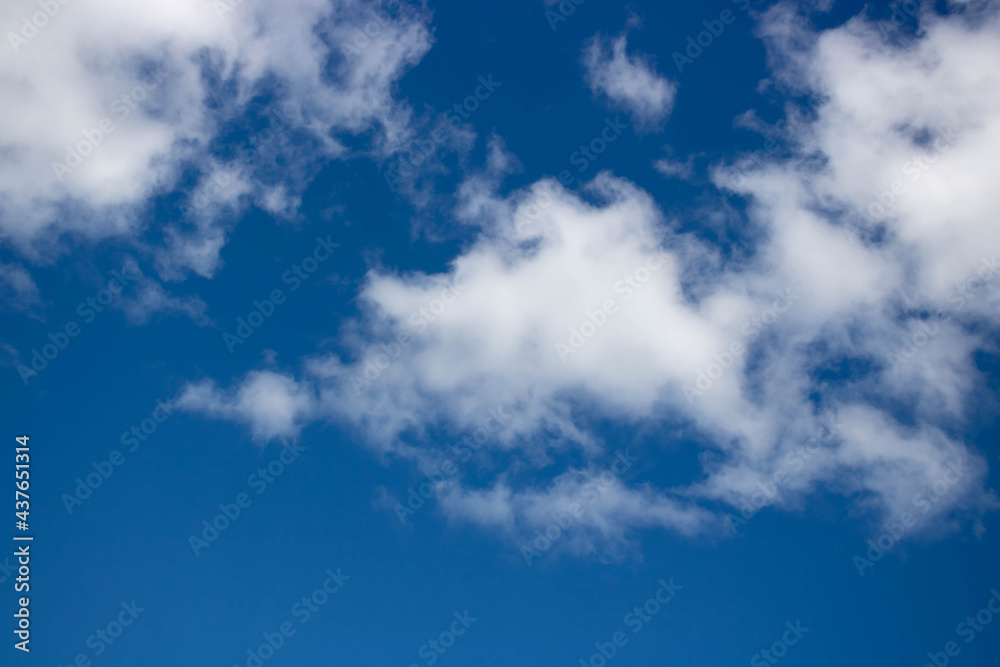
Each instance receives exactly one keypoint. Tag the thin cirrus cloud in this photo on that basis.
(573, 308)
(629, 82)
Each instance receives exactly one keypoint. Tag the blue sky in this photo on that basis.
(529, 333)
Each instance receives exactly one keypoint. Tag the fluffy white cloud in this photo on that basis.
(629, 82)
(107, 101)
(274, 405)
(830, 352)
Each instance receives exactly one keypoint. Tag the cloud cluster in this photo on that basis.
(629, 82)
(109, 103)
(581, 309)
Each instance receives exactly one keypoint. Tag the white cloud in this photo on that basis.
(162, 80)
(507, 323)
(629, 82)
(17, 288)
(675, 168)
(274, 405)
(152, 298)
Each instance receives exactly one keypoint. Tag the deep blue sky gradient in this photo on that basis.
(130, 539)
